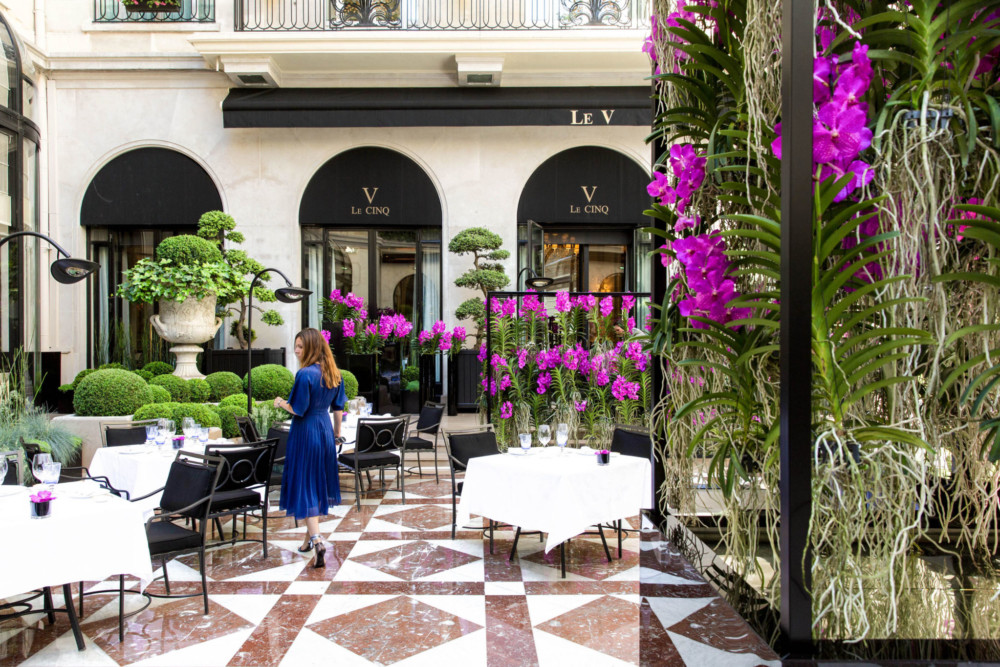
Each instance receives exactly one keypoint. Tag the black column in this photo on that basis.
(796, 294)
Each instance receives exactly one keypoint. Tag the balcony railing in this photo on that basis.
(319, 15)
(190, 11)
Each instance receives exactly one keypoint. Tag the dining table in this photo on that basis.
(89, 535)
(559, 493)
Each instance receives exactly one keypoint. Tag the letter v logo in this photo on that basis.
(589, 195)
(371, 196)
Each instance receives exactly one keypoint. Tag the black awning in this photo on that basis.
(586, 185)
(370, 186)
(149, 187)
(437, 107)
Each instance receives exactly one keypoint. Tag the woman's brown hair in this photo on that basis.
(315, 350)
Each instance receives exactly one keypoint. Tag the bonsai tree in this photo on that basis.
(486, 275)
(218, 227)
(185, 266)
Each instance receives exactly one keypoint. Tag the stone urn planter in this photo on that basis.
(187, 324)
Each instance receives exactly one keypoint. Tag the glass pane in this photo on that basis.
(101, 255)
(28, 99)
(347, 254)
(8, 71)
(397, 268)
(561, 262)
(430, 274)
(312, 274)
(607, 268)
(32, 310)
(7, 147)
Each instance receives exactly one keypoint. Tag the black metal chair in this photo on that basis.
(379, 445)
(246, 468)
(248, 430)
(188, 494)
(15, 467)
(630, 441)
(428, 424)
(131, 433)
(462, 447)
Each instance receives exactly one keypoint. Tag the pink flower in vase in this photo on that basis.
(348, 326)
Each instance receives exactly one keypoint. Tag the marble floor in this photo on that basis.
(396, 590)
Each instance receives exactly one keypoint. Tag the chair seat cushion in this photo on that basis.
(369, 460)
(234, 499)
(166, 537)
(418, 443)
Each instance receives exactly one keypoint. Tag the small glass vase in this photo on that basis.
(41, 510)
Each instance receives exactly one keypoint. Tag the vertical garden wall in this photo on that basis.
(903, 334)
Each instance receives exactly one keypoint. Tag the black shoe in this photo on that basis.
(307, 548)
(320, 555)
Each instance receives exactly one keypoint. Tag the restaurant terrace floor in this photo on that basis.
(397, 590)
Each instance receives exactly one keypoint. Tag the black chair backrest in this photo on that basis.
(281, 435)
(116, 435)
(632, 442)
(462, 447)
(191, 478)
(380, 435)
(248, 430)
(245, 465)
(15, 468)
(430, 418)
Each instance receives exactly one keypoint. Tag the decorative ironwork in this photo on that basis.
(321, 15)
(580, 13)
(365, 14)
(190, 11)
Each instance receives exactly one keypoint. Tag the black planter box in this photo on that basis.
(463, 382)
(411, 402)
(390, 394)
(364, 369)
(235, 361)
(430, 387)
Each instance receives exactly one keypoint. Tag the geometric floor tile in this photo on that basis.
(241, 559)
(414, 560)
(423, 517)
(431, 489)
(587, 559)
(393, 630)
(608, 624)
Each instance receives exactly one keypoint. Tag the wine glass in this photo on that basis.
(544, 434)
(38, 465)
(562, 436)
(525, 439)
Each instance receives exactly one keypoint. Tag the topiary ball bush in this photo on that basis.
(199, 390)
(412, 385)
(224, 384)
(111, 393)
(158, 368)
(270, 380)
(228, 414)
(350, 384)
(235, 399)
(177, 387)
(145, 375)
(202, 414)
(188, 249)
(82, 374)
(163, 410)
(110, 365)
(158, 394)
(410, 374)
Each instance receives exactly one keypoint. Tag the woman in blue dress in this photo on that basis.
(310, 483)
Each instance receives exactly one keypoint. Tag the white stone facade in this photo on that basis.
(104, 89)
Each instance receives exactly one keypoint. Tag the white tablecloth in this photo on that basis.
(562, 495)
(83, 540)
(139, 469)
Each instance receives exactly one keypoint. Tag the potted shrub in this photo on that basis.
(269, 381)
(486, 275)
(110, 393)
(410, 380)
(433, 343)
(186, 277)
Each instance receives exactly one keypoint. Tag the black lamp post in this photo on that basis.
(286, 294)
(534, 281)
(67, 271)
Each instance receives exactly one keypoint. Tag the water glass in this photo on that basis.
(562, 435)
(50, 474)
(203, 435)
(38, 465)
(525, 439)
(3, 470)
(151, 432)
(544, 434)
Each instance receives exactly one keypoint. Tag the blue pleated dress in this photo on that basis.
(310, 483)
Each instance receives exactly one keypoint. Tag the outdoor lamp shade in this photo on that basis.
(69, 270)
(535, 281)
(291, 294)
